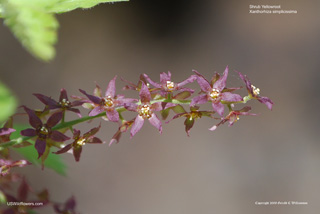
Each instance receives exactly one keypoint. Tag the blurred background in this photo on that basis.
(272, 157)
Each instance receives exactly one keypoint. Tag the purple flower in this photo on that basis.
(191, 117)
(254, 91)
(6, 165)
(215, 93)
(167, 86)
(68, 207)
(5, 133)
(108, 103)
(132, 86)
(233, 117)
(43, 131)
(145, 111)
(22, 196)
(80, 141)
(122, 128)
(64, 104)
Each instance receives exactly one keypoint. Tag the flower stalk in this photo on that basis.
(163, 97)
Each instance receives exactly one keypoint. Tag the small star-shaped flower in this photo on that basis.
(43, 131)
(254, 92)
(215, 93)
(145, 110)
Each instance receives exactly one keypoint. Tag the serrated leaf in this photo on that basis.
(8, 103)
(53, 161)
(32, 25)
(62, 6)
(33, 22)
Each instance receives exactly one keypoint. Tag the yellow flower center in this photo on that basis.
(170, 85)
(81, 142)
(108, 102)
(256, 91)
(44, 130)
(64, 103)
(214, 94)
(145, 111)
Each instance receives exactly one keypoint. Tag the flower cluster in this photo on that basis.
(49, 128)
(51, 133)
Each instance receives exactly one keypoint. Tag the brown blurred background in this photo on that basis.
(272, 157)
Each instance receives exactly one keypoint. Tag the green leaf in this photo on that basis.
(8, 103)
(53, 161)
(1, 11)
(33, 22)
(62, 6)
(32, 25)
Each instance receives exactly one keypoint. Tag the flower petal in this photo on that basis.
(64, 149)
(157, 85)
(154, 120)
(165, 77)
(115, 138)
(111, 89)
(70, 204)
(144, 93)
(92, 132)
(23, 190)
(156, 106)
(190, 79)
(77, 111)
(266, 101)
(6, 131)
(40, 146)
(77, 103)
(54, 119)
(113, 115)
(220, 84)
(213, 128)
(216, 126)
(63, 95)
(97, 110)
(218, 107)
(122, 101)
(131, 106)
(94, 140)
(58, 136)
(245, 109)
(97, 91)
(229, 97)
(203, 83)
(136, 126)
(34, 121)
(247, 82)
(94, 99)
(47, 101)
(189, 122)
(77, 152)
(201, 99)
(76, 133)
(28, 132)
